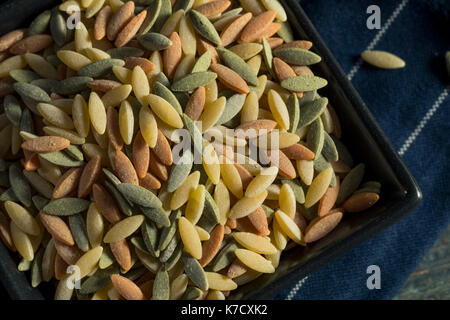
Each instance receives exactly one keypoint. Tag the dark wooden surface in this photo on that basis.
(431, 280)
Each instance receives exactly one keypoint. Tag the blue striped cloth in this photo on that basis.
(412, 106)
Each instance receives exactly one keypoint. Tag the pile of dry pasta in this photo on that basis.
(128, 139)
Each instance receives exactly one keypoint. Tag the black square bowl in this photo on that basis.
(361, 133)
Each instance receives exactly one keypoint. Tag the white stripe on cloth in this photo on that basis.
(295, 289)
(377, 38)
(350, 76)
(408, 142)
